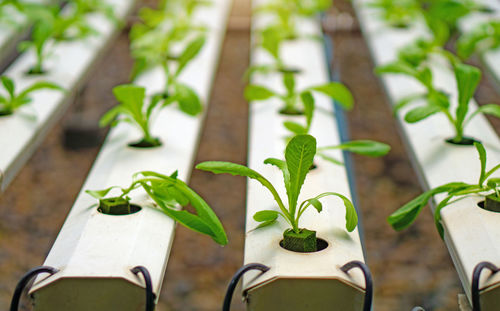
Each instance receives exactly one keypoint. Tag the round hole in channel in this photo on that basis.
(466, 141)
(495, 207)
(144, 144)
(320, 245)
(121, 210)
(291, 112)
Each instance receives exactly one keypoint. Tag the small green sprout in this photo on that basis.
(168, 192)
(293, 97)
(485, 36)
(487, 187)
(367, 148)
(14, 100)
(299, 155)
(436, 101)
(135, 111)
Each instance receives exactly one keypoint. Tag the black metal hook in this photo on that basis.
(234, 281)
(368, 281)
(14, 304)
(150, 296)
(476, 306)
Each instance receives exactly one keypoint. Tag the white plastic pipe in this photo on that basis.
(299, 281)
(95, 252)
(471, 233)
(69, 66)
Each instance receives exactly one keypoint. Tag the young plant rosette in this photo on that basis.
(299, 155)
(169, 193)
(488, 188)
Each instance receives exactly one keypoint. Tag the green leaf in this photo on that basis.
(295, 127)
(266, 215)
(38, 86)
(188, 100)
(265, 224)
(397, 67)
(316, 204)
(299, 156)
(257, 92)
(482, 158)
(309, 106)
(8, 83)
(406, 215)
(130, 94)
(190, 52)
(219, 167)
(204, 221)
(99, 194)
(491, 109)
(420, 113)
(281, 165)
(468, 78)
(351, 216)
(338, 92)
(364, 147)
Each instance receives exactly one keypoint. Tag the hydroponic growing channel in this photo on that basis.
(266, 136)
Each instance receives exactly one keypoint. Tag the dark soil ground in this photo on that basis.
(409, 268)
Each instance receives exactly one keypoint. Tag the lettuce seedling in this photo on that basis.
(14, 100)
(293, 97)
(152, 47)
(168, 192)
(485, 36)
(487, 187)
(440, 16)
(400, 13)
(299, 155)
(134, 110)
(436, 101)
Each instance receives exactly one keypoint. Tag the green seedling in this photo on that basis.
(50, 26)
(14, 100)
(152, 47)
(168, 192)
(299, 155)
(435, 101)
(134, 109)
(483, 37)
(440, 16)
(487, 187)
(397, 13)
(293, 97)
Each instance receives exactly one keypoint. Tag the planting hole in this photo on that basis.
(466, 141)
(320, 245)
(291, 112)
(491, 205)
(146, 143)
(121, 210)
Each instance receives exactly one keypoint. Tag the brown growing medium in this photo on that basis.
(410, 268)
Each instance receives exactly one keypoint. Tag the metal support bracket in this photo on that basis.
(367, 306)
(150, 296)
(476, 274)
(234, 281)
(14, 304)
